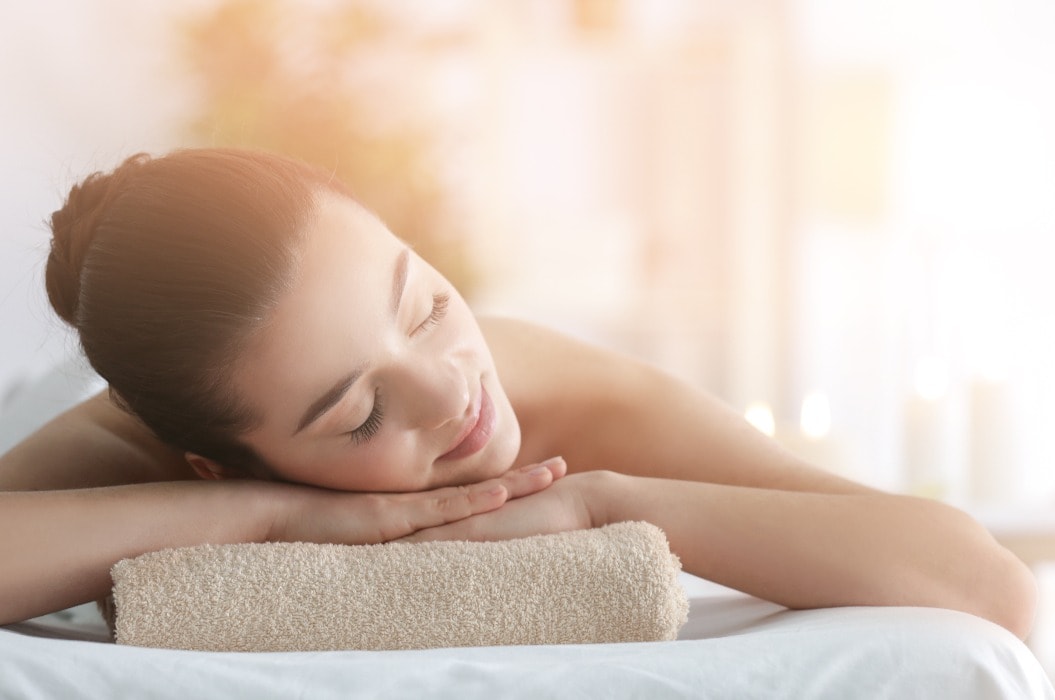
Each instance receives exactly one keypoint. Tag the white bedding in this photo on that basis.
(733, 646)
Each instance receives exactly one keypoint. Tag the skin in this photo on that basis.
(635, 444)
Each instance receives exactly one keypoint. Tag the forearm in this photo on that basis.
(807, 550)
(57, 547)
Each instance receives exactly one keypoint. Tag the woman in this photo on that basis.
(323, 383)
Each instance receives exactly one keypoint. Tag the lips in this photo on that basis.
(477, 431)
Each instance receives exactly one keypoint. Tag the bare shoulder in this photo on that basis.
(602, 409)
(564, 389)
(93, 444)
(547, 361)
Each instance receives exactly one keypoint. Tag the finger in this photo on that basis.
(534, 477)
(450, 504)
(515, 519)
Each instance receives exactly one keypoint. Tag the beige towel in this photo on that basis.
(612, 584)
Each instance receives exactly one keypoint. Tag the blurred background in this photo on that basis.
(837, 215)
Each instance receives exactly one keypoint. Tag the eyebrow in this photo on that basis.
(399, 278)
(337, 391)
(327, 401)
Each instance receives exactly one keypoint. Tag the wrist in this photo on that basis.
(265, 510)
(279, 509)
(607, 497)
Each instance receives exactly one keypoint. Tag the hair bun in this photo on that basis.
(73, 229)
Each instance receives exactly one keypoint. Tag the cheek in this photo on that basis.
(386, 464)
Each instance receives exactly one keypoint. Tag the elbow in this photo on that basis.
(1012, 594)
(983, 578)
(999, 586)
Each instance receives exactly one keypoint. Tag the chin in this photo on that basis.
(496, 459)
(503, 457)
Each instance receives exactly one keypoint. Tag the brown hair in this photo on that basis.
(165, 267)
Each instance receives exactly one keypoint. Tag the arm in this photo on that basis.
(799, 549)
(807, 550)
(57, 547)
(737, 508)
(92, 487)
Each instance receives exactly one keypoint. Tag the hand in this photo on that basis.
(318, 515)
(573, 503)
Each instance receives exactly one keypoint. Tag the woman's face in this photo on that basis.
(372, 374)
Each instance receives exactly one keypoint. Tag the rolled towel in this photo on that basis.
(617, 583)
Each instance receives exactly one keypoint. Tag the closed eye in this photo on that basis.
(372, 423)
(440, 302)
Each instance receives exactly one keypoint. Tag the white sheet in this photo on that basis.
(733, 646)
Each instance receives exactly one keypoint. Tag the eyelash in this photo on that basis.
(439, 310)
(372, 423)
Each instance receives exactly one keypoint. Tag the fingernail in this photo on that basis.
(552, 461)
(496, 490)
(540, 469)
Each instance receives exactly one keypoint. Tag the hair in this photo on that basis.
(166, 267)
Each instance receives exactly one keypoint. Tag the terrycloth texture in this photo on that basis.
(612, 584)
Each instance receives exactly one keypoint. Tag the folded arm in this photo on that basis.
(93, 487)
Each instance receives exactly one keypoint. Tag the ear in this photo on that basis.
(205, 467)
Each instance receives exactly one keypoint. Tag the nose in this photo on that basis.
(437, 392)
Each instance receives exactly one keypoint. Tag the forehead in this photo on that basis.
(340, 221)
(344, 249)
(323, 324)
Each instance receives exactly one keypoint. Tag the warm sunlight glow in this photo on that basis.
(816, 417)
(760, 415)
